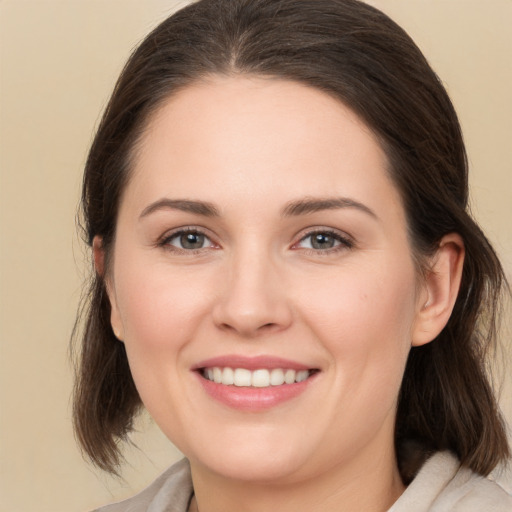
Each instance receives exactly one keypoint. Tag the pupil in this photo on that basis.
(192, 241)
(322, 241)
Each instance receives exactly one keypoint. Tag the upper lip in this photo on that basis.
(251, 363)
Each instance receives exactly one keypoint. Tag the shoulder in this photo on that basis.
(442, 485)
(469, 492)
(170, 492)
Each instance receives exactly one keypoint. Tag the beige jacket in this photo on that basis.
(440, 486)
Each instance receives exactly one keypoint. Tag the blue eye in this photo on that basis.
(188, 240)
(323, 241)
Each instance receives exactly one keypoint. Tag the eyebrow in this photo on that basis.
(185, 205)
(294, 208)
(312, 205)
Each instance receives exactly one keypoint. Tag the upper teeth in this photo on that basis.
(258, 378)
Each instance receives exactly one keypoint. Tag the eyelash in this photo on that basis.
(165, 241)
(343, 242)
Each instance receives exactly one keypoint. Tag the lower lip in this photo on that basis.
(254, 399)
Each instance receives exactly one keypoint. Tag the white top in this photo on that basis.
(440, 486)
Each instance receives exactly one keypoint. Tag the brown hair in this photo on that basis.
(357, 54)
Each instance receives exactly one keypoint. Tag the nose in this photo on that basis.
(252, 299)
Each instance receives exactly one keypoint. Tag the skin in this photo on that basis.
(250, 147)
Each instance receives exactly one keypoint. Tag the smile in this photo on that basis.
(254, 384)
(259, 378)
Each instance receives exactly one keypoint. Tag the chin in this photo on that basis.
(252, 459)
(263, 469)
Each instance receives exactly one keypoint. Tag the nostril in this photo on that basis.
(268, 327)
(250, 331)
(227, 327)
(251, 314)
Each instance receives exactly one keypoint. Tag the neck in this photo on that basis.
(372, 483)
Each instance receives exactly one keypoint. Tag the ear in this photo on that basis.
(99, 264)
(98, 255)
(439, 290)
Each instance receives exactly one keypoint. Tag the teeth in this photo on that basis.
(277, 377)
(302, 375)
(242, 377)
(261, 378)
(289, 376)
(217, 375)
(228, 376)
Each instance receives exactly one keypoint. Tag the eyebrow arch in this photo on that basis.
(185, 205)
(312, 205)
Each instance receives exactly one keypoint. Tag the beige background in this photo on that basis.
(58, 63)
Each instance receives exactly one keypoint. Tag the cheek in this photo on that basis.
(161, 311)
(364, 318)
(357, 302)
(160, 306)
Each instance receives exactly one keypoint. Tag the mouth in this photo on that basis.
(254, 384)
(258, 378)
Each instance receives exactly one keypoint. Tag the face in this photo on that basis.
(262, 280)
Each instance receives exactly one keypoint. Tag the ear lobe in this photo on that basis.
(441, 288)
(99, 265)
(98, 255)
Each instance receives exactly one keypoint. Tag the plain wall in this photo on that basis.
(58, 63)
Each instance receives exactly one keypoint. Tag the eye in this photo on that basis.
(324, 241)
(188, 240)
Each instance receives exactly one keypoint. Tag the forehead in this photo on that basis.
(229, 137)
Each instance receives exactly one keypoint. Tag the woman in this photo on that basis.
(286, 274)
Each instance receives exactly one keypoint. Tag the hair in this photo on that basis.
(358, 55)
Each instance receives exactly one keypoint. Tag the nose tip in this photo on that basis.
(252, 303)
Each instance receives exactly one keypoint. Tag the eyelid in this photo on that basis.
(346, 241)
(163, 241)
